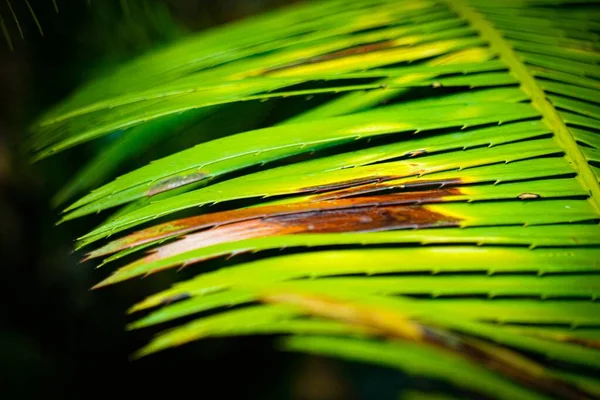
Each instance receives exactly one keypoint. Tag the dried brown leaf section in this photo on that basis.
(357, 219)
(349, 214)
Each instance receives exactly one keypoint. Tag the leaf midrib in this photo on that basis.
(529, 85)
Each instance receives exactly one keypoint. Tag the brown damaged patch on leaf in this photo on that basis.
(392, 324)
(417, 153)
(367, 48)
(187, 225)
(381, 185)
(358, 219)
(167, 184)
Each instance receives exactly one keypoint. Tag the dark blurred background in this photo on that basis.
(57, 338)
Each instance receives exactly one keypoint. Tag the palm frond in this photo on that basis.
(448, 185)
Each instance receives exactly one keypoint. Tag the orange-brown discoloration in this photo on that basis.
(417, 153)
(359, 219)
(358, 213)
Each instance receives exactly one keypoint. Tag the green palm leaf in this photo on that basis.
(468, 207)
